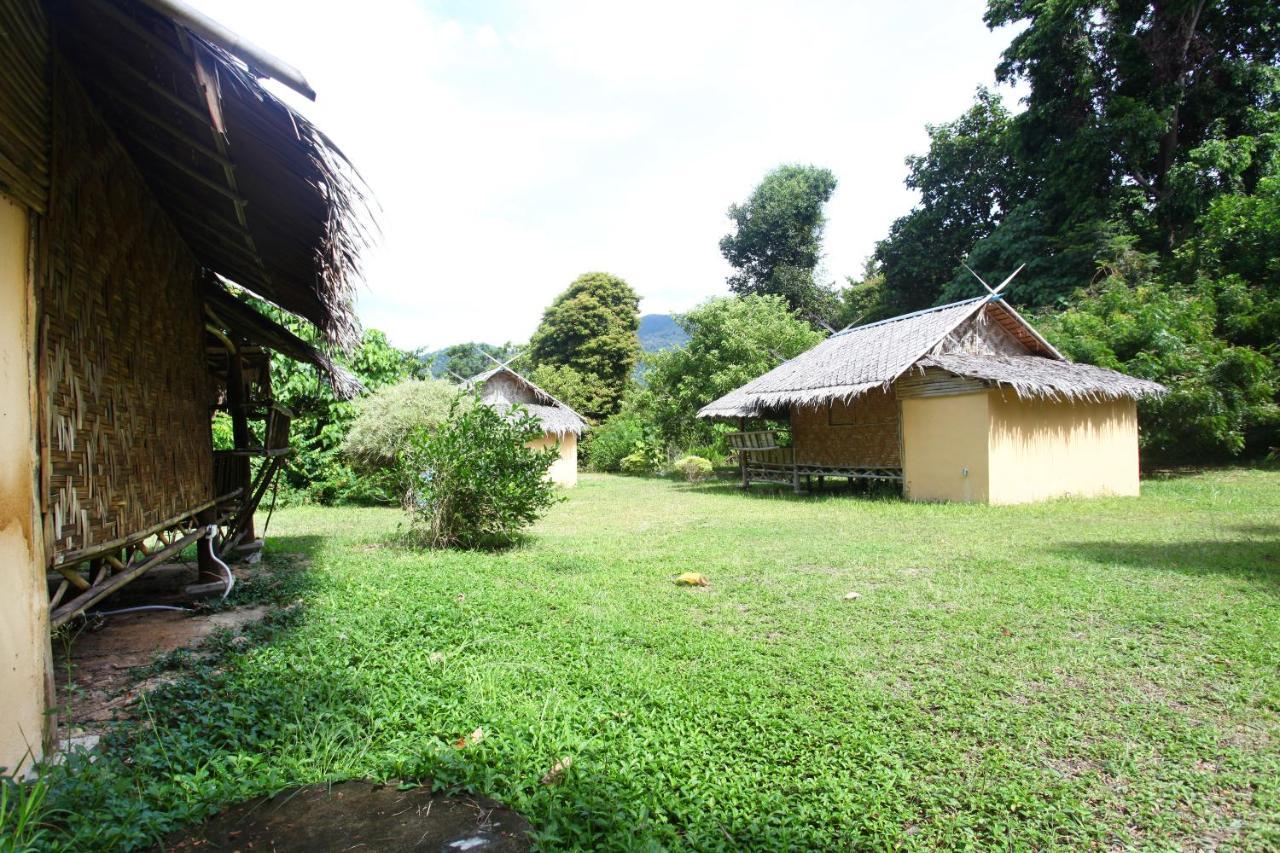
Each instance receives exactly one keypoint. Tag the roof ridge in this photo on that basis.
(908, 316)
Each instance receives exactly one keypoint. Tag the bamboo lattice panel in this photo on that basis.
(126, 431)
(862, 433)
(24, 102)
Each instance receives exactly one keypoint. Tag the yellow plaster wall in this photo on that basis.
(1042, 449)
(564, 471)
(24, 630)
(945, 447)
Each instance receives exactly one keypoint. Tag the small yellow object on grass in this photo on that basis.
(692, 579)
(556, 773)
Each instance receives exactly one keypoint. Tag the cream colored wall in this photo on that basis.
(945, 450)
(564, 471)
(1042, 449)
(24, 630)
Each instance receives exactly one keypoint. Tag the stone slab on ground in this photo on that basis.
(359, 816)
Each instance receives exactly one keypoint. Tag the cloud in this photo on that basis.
(512, 147)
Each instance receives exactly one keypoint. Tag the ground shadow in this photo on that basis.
(1255, 560)
(859, 490)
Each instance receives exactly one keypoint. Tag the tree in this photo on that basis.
(968, 182)
(591, 328)
(387, 418)
(582, 392)
(320, 423)
(731, 341)
(476, 482)
(776, 242)
(1222, 396)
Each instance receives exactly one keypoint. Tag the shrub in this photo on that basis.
(609, 443)
(694, 469)
(387, 417)
(475, 483)
(645, 458)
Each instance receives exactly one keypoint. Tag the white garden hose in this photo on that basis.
(231, 579)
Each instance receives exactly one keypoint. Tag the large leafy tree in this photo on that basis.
(1140, 186)
(1128, 104)
(321, 421)
(731, 341)
(776, 242)
(591, 329)
(968, 182)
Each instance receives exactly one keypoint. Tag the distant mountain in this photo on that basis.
(659, 332)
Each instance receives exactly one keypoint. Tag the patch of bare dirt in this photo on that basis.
(97, 668)
(358, 816)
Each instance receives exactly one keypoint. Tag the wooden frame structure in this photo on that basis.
(147, 176)
(761, 459)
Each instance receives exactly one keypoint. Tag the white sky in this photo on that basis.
(514, 146)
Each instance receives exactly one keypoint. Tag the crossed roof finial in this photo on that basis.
(994, 291)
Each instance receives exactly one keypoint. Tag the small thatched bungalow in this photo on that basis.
(142, 166)
(503, 388)
(962, 402)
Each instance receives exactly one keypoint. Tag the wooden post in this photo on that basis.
(742, 455)
(207, 570)
(239, 428)
(795, 456)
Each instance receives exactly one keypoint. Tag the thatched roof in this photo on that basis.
(503, 388)
(858, 359)
(259, 194)
(1035, 376)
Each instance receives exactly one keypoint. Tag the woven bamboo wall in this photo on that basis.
(859, 434)
(24, 102)
(126, 420)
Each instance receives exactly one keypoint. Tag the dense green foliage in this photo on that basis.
(319, 472)
(591, 328)
(776, 242)
(474, 482)
(731, 341)
(1221, 397)
(582, 392)
(605, 446)
(1150, 127)
(387, 418)
(1102, 673)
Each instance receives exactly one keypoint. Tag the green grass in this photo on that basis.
(1064, 674)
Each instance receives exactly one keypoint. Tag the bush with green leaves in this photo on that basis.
(694, 469)
(645, 457)
(1222, 396)
(608, 444)
(475, 482)
(387, 417)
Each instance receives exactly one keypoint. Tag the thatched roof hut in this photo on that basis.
(503, 388)
(978, 338)
(847, 398)
(144, 170)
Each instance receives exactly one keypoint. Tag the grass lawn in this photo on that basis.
(1070, 673)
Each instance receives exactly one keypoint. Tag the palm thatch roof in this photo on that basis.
(260, 195)
(504, 389)
(1034, 376)
(982, 338)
